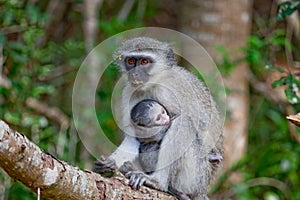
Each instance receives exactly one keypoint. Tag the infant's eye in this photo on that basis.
(158, 118)
(130, 61)
(144, 61)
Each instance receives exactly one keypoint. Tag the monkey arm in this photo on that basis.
(127, 151)
(104, 165)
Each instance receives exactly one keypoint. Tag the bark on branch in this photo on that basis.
(26, 162)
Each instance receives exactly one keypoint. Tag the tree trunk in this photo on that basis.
(226, 23)
(38, 170)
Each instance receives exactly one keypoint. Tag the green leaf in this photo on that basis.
(33, 14)
(226, 65)
(12, 117)
(291, 97)
(292, 90)
(279, 82)
(42, 89)
(255, 41)
(286, 8)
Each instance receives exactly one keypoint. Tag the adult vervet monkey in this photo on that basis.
(183, 163)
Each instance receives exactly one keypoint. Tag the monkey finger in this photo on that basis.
(129, 174)
(102, 170)
(108, 162)
(99, 167)
(111, 165)
(136, 181)
(102, 157)
(105, 160)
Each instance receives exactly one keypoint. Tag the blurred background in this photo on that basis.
(254, 43)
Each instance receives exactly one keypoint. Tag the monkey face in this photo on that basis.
(143, 59)
(137, 67)
(159, 116)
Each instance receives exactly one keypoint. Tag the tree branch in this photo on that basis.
(38, 170)
(90, 23)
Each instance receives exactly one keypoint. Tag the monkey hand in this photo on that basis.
(105, 165)
(138, 178)
(127, 167)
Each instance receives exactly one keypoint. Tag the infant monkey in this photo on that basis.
(149, 113)
(154, 119)
(152, 122)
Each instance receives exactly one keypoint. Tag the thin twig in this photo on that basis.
(263, 89)
(12, 29)
(142, 4)
(126, 8)
(90, 23)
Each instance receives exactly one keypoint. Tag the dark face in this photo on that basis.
(138, 68)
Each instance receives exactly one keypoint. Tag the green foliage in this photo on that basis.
(28, 64)
(110, 24)
(292, 83)
(114, 26)
(227, 64)
(285, 9)
(103, 105)
(270, 169)
(257, 53)
(260, 50)
(274, 152)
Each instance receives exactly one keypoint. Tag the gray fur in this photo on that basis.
(183, 158)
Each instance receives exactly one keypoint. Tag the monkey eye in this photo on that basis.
(144, 61)
(158, 117)
(130, 61)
